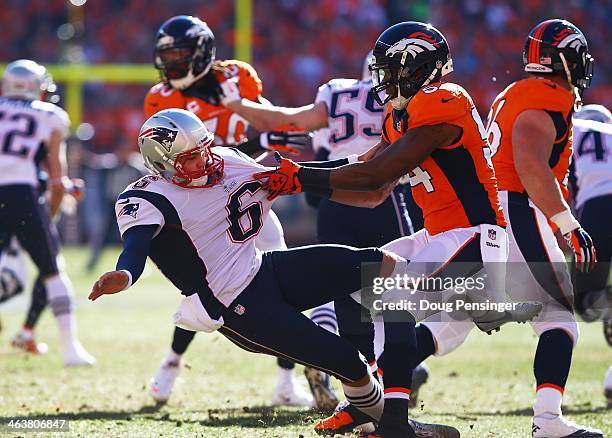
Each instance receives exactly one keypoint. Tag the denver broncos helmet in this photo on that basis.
(185, 50)
(406, 57)
(557, 46)
(172, 136)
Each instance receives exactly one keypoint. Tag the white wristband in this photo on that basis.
(263, 140)
(353, 158)
(129, 274)
(565, 221)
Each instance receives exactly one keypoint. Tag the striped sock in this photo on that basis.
(325, 316)
(368, 398)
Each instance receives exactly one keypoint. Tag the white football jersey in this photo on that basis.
(592, 159)
(354, 118)
(25, 127)
(205, 240)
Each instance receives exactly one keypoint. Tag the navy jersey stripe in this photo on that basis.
(160, 202)
(459, 168)
(529, 240)
(562, 137)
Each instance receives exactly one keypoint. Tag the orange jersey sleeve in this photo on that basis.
(531, 93)
(455, 186)
(160, 97)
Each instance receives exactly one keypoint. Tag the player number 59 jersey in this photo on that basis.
(206, 236)
(25, 127)
(354, 118)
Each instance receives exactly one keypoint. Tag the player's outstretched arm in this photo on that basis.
(265, 117)
(369, 199)
(131, 263)
(393, 162)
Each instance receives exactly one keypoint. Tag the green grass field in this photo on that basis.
(485, 388)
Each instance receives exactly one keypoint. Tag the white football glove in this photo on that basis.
(229, 91)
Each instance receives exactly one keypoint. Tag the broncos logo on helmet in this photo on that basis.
(164, 136)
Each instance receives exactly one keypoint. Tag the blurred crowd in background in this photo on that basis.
(297, 45)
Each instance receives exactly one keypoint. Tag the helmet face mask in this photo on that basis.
(185, 51)
(176, 146)
(407, 57)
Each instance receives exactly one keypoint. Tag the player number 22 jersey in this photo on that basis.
(25, 127)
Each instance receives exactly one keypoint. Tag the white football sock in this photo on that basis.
(172, 356)
(368, 398)
(548, 402)
(59, 295)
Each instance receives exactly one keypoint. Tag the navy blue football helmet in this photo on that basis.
(407, 57)
(557, 46)
(185, 50)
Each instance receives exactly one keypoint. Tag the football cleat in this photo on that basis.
(493, 320)
(415, 429)
(160, 386)
(559, 427)
(26, 342)
(345, 418)
(419, 377)
(432, 430)
(320, 386)
(287, 393)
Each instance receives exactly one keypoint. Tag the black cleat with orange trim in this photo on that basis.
(345, 418)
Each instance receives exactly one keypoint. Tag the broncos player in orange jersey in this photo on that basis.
(190, 78)
(530, 132)
(432, 130)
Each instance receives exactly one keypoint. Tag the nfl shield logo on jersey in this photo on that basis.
(492, 234)
(239, 309)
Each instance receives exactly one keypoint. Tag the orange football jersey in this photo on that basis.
(229, 127)
(532, 93)
(455, 186)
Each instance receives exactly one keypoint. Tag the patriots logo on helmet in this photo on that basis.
(129, 209)
(163, 136)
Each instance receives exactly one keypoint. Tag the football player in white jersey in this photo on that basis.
(346, 120)
(204, 204)
(185, 56)
(32, 132)
(591, 177)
